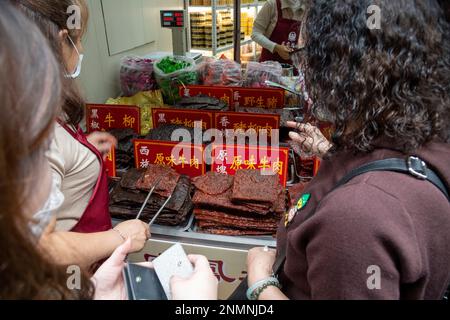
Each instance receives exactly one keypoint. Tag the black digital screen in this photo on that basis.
(172, 19)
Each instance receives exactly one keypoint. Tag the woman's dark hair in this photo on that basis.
(388, 83)
(52, 16)
(31, 97)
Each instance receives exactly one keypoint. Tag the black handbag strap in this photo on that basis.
(412, 165)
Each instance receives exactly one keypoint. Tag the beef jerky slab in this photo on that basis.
(253, 186)
(213, 183)
(166, 179)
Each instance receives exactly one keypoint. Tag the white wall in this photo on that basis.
(100, 74)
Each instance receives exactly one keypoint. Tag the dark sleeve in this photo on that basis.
(362, 245)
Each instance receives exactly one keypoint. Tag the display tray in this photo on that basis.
(188, 225)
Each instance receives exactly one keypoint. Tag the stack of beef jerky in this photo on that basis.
(124, 152)
(201, 102)
(248, 204)
(164, 132)
(129, 195)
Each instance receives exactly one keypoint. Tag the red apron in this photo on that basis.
(287, 31)
(96, 217)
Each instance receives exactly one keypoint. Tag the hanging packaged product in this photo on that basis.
(173, 72)
(136, 75)
(258, 73)
(146, 101)
(222, 72)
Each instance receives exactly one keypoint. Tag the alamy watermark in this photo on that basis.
(374, 280)
(74, 279)
(74, 19)
(374, 20)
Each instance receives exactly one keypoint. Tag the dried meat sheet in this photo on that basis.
(254, 187)
(213, 183)
(165, 178)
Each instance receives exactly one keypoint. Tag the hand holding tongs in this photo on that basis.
(148, 199)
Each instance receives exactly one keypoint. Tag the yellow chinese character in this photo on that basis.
(264, 164)
(225, 99)
(160, 159)
(240, 126)
(251, 163)
(171, 161)
(269, 130)
(176, 121)
(188, 123)
(182, 161)
(237, 163)
(195, 163)
(109, 157)
(277, 167)
(128, 121)
(253, 127)
(109, 119)
(249, 101)
(260, 102)
(272, 103)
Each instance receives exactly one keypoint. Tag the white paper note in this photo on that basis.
(173, 262)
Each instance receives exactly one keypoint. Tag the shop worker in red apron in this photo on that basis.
(277, 29)
(82, 233)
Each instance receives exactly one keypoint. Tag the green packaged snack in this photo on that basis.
(173, 72)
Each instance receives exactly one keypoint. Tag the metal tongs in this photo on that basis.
(148, 199)
(277, 85)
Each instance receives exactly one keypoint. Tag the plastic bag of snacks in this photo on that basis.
(136, 75)
(257, 73)
(146, 101)
(222, 72)
(173, 72)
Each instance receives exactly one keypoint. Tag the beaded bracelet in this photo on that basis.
(255, 291)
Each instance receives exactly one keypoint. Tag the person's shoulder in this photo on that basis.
(360, 200)
(272, 4)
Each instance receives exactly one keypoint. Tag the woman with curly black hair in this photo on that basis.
(357, 233)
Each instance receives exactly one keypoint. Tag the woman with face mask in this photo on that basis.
(277, 29)
(30, 79)
(81, 232)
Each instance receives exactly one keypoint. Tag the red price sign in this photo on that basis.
(243, 121)
(258, 98)
(110, 163)
(224, 94)
(186, 159)
(103, 117)
(227, 159)
(317, 163)
(187, 118)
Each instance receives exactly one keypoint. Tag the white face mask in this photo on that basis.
(42, 219)
(77, 71)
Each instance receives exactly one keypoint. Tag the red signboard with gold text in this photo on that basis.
(224, 94)
(242, 121)
(235, 97)
(104, 117)
(227, 159)
(258, 98)
(110, 163)
(187, 118)
(186, 159)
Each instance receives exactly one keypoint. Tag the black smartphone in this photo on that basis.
(142, 283)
